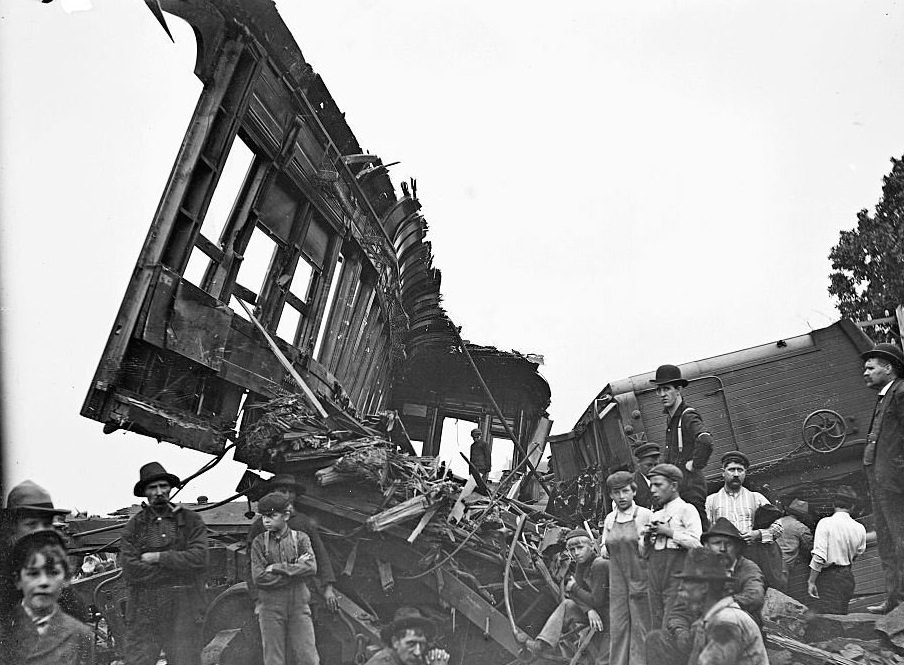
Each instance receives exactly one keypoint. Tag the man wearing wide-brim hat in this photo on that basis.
(406, 638)
(324, 581)
(164, 561)
(883, 461)
(688, 443)
(725, 634)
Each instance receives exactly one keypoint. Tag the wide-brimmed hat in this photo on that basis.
(890, 352)
(31, 497)
(736, 456)
(151, 472)
(798, 507)
(285, 480)
(647, 450)
(722, 527)
(668, 375)
(404, 618)
(703, 565)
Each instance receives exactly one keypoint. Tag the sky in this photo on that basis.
(613, 185)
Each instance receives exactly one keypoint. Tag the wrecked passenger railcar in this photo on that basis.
(207, 346)
(797, 407)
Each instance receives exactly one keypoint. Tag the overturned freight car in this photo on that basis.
(342, 320)
(797, 407)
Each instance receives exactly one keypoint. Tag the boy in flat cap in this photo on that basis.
(675, 528)
(883, 461)
(837, 542)
(739, 506)
(629, 602)
(164, 561)
(586, 595)
(281, 560)
(688, 443)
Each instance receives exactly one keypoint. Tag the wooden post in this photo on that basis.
(899, 314)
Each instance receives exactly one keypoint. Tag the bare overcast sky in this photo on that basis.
(614, 185)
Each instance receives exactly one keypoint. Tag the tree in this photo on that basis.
(868, 262)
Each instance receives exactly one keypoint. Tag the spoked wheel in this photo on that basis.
(824, 431)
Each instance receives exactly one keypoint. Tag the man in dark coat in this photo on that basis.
(688, 443)
(164, 559)
(883, 461)
(325, 578)
(647, 456)
(480, 455)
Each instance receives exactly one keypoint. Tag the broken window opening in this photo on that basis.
(197, 266)
(225, 196)
(289, 323)
(255, 265)
(330, 300)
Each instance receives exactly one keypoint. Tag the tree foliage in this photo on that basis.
(867, 276)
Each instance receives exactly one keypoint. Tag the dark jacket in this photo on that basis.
(65, 642)
(591, 587)
(182, 563)
(643, 497)
(889, 464)
(696, 441)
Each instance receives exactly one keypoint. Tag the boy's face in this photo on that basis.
(275, 522)
(623, 497)
(580, 549)
(41, 583)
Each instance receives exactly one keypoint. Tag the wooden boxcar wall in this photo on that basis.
(759, 407)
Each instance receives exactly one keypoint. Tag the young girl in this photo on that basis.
(41, 633)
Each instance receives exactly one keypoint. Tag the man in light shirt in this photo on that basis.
(838, 541)
(738, 505)
(674, 529)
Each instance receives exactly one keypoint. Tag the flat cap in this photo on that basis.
(736, 456)
(274, 502)
(619, 479)
(670, 471)
(576, 533)
(646, 450)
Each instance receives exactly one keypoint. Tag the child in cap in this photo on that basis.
(40, 632)
(281, 560)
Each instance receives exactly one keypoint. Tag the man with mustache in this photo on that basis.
(164, 558)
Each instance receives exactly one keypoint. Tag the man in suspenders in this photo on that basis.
(688, 442)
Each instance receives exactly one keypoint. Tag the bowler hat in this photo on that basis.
(890, 352)
(722, 527)
(31, 497)
(765, 515)
(704, 565)
(404, 618)
(736, 456)
(285, 480)
(667, 375)
(670, 471)
(647, 450)
(151, 472)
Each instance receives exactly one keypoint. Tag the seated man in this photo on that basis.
(724, 634)
(586, 595)
(747, 586)
(406, 641)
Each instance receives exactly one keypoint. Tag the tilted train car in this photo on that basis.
(797, 407)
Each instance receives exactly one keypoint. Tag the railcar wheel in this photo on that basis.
(824, 431)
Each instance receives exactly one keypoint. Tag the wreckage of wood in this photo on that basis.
(811, 653)
(399, 513)
(508, 573)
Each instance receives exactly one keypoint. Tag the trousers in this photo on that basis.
(663, 649)
(887, 510)
(663, 565)
(836, 587)
(287, 631)
(629, 602)
(164, 618)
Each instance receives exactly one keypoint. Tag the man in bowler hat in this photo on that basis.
(406, 641)
(164, 558)
(883, 461)
(688, 443)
